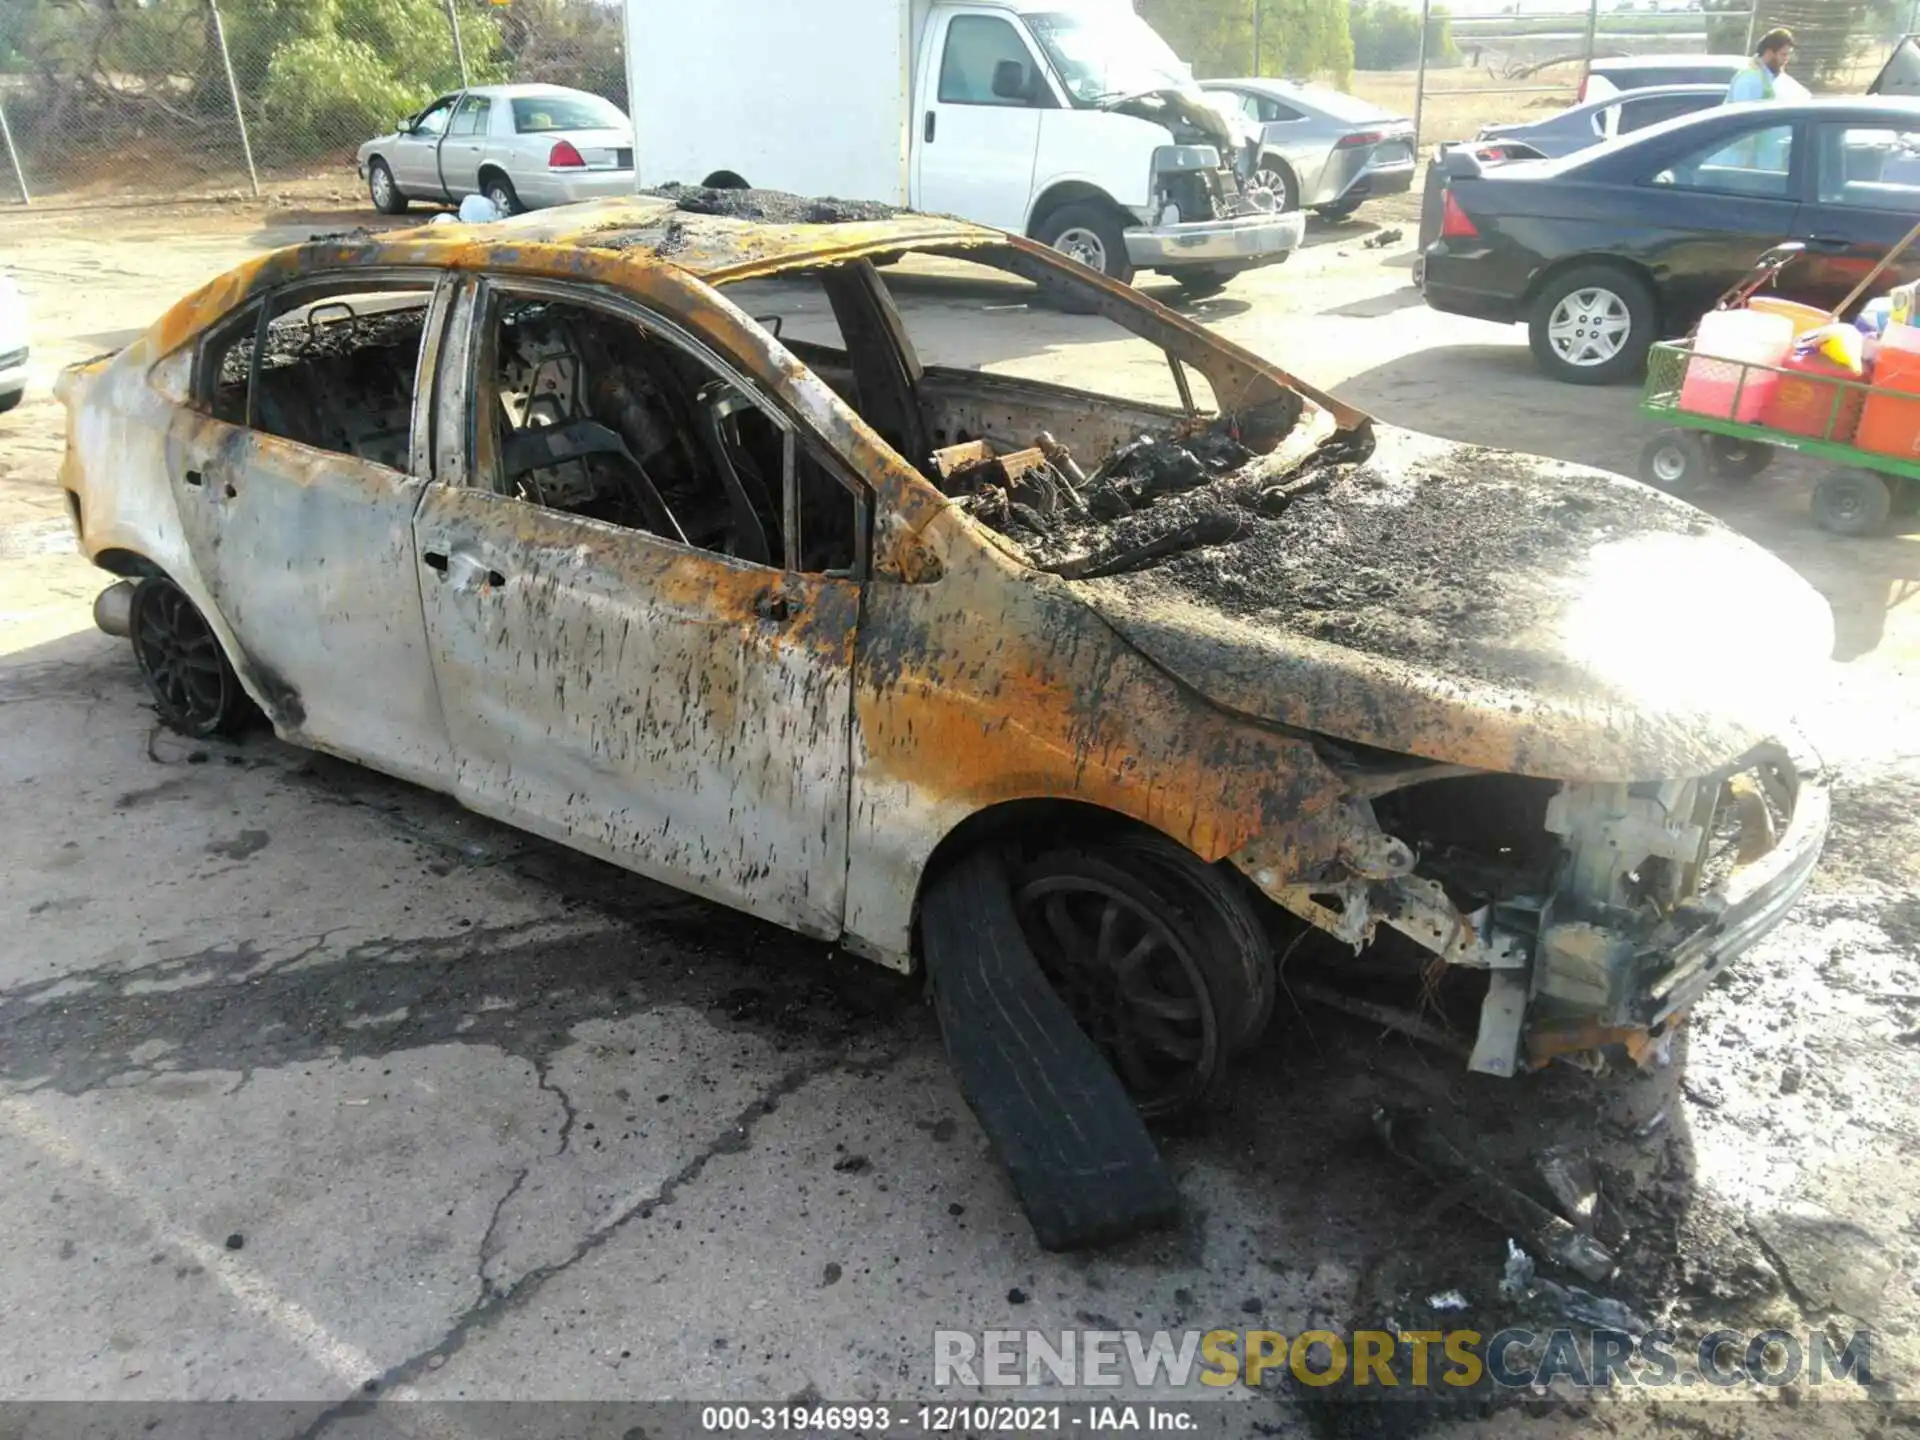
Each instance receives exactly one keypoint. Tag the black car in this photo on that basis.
(1604, 251)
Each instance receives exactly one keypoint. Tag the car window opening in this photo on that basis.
(1069, 475)
(594, 416)
(335, 374)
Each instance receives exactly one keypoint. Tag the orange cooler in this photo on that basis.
(1805, 400)
(1890, 425)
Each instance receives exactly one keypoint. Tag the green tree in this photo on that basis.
(1297, 37)
(1386, 35)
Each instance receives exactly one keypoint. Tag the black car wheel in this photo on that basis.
(382, 190)
(193, 686)
(1338, 211)
(1852, 502)
(1736, 459)
(1674, 461)
(1113, 945)
(1592, 325)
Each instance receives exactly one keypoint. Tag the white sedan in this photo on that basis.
(13, 343)
(521, 146)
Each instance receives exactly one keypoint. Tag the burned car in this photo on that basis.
(537, 515)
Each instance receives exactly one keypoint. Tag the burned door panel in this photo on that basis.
(673, 711)
(308, 557)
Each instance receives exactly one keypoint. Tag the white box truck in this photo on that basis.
(1070, 121)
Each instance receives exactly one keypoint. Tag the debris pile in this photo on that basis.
(773, 207)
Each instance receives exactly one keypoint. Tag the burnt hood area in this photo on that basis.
(1428, 554)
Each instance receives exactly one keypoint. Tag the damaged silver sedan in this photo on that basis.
(538, 516)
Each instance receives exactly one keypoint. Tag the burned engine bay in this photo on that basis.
(1587, 908)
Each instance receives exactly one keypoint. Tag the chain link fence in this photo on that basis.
(1532, 57)
(110, 100)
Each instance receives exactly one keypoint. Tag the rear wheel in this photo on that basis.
(1674, 461)
(1338, 211)
(1592, 325)
(193, 686)
(1736, 459)
(1852, 502)
(1276, 176)
(8, 402)
(499, 189)
(382, 190)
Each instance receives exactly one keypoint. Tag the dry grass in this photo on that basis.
(1460, 101)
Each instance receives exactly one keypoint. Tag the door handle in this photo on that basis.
(929, 129)
(773, 606)
(194, 478)
(465, 571)
(1827, 243)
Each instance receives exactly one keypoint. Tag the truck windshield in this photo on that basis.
(1106, 56)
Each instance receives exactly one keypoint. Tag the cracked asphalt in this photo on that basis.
(315, 1088)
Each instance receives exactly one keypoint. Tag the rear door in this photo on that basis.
(641, 587)
(466, 145)
(1866, 184)
(975, 151)
(296, 472)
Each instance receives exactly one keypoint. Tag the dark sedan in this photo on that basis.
(1581, 127)
(1603, 252)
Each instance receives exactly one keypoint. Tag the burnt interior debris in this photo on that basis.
(772, 207)
(334, 378)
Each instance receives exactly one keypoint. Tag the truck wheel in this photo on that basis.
(382, 190)
(1852, 502)
(1199, 283)
(1091, 235)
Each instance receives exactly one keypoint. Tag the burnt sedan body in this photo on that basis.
(536, 515)
(1601, 253)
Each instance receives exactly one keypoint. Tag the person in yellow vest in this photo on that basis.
(1760, 80)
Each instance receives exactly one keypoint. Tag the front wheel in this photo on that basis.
(1198, 284)
(1852, 502)
(1592, 325)
(8, 402)
(1091, 235)
(382, 190)
(1674, 461)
